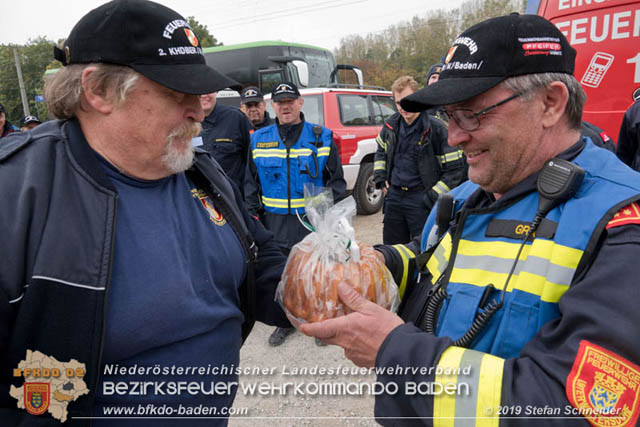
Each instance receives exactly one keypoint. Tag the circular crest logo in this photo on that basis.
(192, 37)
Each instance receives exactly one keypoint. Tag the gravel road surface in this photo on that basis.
(316, 407)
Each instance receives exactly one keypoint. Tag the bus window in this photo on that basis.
(270, 78)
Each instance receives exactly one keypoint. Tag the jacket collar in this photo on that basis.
(84, 154)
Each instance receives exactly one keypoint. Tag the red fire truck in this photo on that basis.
(606, 34)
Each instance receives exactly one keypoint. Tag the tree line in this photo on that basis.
(411, 48)
(403, 48)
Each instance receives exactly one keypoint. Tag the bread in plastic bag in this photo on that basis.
(308, 289)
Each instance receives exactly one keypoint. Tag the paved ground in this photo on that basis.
(298, 352)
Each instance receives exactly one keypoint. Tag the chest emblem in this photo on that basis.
(215, 216)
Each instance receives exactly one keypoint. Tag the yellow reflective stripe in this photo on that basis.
(381, 143)
(439, 259)
(479, 391)
(324, 151)
(535, 273)
(561, 255)
(298, 152)
(275, 203)
(380, 165)
(282, 203)
(269, 152)
(444, 404)
(405, 255)
(451, 157)
(489, 391)
(440, 187)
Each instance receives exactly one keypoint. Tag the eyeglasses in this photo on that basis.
(470, 121)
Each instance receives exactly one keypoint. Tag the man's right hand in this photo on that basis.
(385, 188)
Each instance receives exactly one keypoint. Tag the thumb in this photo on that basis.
(351, 298)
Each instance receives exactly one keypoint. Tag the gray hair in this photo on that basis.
(577, 97)
(64, 94)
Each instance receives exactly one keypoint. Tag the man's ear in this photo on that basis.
(94, 96)
(554, 97)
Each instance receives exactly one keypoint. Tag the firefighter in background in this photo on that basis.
(225, 134)
(283, 158)
(253, 106)
(629, 138)
(520, 320)
(413, 164)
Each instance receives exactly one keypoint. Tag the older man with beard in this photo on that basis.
(121, 247)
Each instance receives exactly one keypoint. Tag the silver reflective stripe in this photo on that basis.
(535, 265)
(16, 300)
(440, 187)
(380, 165)
(466, 405)
(451, 157)
(64, 282)
(442, 260)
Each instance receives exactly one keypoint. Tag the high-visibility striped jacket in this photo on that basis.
(564, 344)
(284, 171)
(441, 167)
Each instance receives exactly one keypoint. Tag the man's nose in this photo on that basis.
(457, 135)
(194, 109)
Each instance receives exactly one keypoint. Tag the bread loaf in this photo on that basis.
(310, 291)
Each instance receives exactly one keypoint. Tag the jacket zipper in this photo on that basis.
(105, 305)
(288, 183)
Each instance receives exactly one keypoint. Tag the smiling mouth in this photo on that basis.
(473, 154)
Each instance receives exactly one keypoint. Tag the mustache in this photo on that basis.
(188, 130)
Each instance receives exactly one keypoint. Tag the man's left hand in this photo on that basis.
(360, 333)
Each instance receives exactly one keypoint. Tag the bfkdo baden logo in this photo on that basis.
(49, 385)
(36, 397)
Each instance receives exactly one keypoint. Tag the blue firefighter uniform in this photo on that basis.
(279, 170)
(225, 134)
(566, 335)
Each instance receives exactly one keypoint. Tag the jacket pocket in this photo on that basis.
(271, 170)
(459, 311)
(521, 325)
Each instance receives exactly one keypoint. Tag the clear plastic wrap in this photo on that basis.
(308, 289)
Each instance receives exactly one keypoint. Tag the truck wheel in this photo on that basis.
(368, 199)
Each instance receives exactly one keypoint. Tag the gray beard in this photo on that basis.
(176, 158)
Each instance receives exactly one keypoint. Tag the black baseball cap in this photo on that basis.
(251, 94)
(150, 38)
(29, 119)
(285, 90)
(435, 69)
(490, 52)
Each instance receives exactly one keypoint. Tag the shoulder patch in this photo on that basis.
(388, 125)
(629, 214)
(604, 387)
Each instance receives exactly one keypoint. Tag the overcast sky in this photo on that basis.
(318, 22)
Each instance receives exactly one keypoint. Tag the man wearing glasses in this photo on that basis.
(507, 325)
